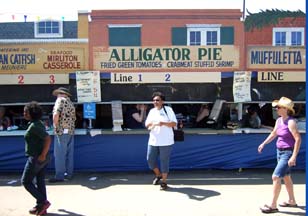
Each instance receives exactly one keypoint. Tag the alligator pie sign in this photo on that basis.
(193, 58)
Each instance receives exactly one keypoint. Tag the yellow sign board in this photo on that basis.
(188, 58)
(282, 76)
(30, 79)
(270, 57)
(38, 58)
(167, 77)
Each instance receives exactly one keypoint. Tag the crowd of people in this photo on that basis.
(159, 119)
(37, 144)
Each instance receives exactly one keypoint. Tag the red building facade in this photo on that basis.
(191, 49)
(168, 50)
(276, 52)
(162, 27)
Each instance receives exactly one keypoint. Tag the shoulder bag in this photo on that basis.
(178, 133)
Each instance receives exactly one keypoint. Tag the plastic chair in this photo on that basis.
(215, 118)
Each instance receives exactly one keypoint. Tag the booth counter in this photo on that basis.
(105, 150)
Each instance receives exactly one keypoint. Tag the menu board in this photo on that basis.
(88, 86)
(241, 86)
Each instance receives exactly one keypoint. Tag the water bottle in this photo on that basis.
(181, 124)
(188, 119)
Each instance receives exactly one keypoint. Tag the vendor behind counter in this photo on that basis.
(5, 121)
(186, 113)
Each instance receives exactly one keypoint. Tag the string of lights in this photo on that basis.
(32, 17)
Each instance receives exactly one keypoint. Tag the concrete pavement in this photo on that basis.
(190, 193)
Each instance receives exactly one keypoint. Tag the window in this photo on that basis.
(48, 28)
(195, 38)
(288, 36)
(280, 38)
(124, 35)
(196, 35)
(211, 37)
(206, 34)
(296, 38)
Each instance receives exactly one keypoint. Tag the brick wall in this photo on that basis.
(264, 36)
(157, 25)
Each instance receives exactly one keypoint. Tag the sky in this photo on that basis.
(15, 10)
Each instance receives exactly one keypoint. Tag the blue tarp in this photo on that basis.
(127, 152)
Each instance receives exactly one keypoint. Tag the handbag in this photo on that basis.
(178, 134)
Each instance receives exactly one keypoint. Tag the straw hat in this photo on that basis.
(284, 102)
(61, 90)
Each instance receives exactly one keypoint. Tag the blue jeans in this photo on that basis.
(163, 152)
(34, 169)
(64, 155)
(282, 168)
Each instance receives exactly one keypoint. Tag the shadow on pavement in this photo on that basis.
(293, 213)
(194, 193)
(100, 180)
(63, 213)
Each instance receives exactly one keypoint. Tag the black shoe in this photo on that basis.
(68, 177)
(163, 186)
(43, 213)
(156, 180)
(42, 210)
(54, 180)
(33, 210)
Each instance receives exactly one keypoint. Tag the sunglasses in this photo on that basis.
(155, 100)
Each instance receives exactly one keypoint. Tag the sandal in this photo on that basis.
(163, 186)
(285, 204)
(156, 180)
(267, 209)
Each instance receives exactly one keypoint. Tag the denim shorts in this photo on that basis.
(282, 168)
(161, 152)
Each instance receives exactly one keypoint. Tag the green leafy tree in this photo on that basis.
(269, 17)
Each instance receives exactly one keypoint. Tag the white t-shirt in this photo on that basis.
(161, 135)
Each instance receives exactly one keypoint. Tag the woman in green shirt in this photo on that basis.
(37, 143)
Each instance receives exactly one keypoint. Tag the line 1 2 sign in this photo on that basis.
(173, 77)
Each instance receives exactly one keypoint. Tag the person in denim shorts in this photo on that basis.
(160, 121)
(288, 145)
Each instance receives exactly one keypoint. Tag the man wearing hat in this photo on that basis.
(64, 117)
(288, 145)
